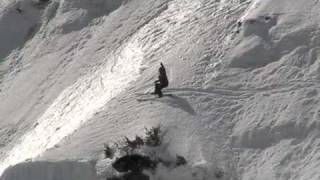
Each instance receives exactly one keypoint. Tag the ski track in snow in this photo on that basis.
(242, 94)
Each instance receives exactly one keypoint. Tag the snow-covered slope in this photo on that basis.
(64, 170)
(243, 77)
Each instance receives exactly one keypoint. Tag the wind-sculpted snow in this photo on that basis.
(243, 84)
(280, 121)
(79, 102)
(170, 29)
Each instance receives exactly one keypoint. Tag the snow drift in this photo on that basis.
(64, 170)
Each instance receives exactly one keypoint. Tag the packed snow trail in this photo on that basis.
(78, 103)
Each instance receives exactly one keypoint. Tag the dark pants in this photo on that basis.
(158, 88)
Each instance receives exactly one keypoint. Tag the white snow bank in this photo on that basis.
(43, 170)
(204, 171)
(104, 168)
(277, 129)
(78, 103)
(75, 15)
(269, 30)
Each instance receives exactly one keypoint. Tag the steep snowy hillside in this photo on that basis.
(243, 93)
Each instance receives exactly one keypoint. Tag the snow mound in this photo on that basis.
(78, 103)
(75, 15)
(45, 170)
(255, 48)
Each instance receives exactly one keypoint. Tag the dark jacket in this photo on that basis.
(163, 79)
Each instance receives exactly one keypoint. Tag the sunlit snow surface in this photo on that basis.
(78, 103)
(244, 84)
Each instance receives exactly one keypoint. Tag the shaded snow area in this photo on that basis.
(242, 102)
(64, 170)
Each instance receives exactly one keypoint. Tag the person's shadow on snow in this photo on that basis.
(173, 101)
(179, 102)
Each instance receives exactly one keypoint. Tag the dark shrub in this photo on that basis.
(108, 151)
(219, 174)
(153, 136)
(180, 161)
(134, 163)
(131, 145)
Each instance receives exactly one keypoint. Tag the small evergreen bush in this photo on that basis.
(108, 151)
(140, 154)
(153, 137)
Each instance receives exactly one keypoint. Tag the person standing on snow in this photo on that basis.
(162, 82)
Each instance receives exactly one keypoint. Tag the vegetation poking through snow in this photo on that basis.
(153, 137)
(108, 151)
(219, 174)
(180, 160)
(41, 3)
(134, 163)
(130, 145)
(134, 157)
